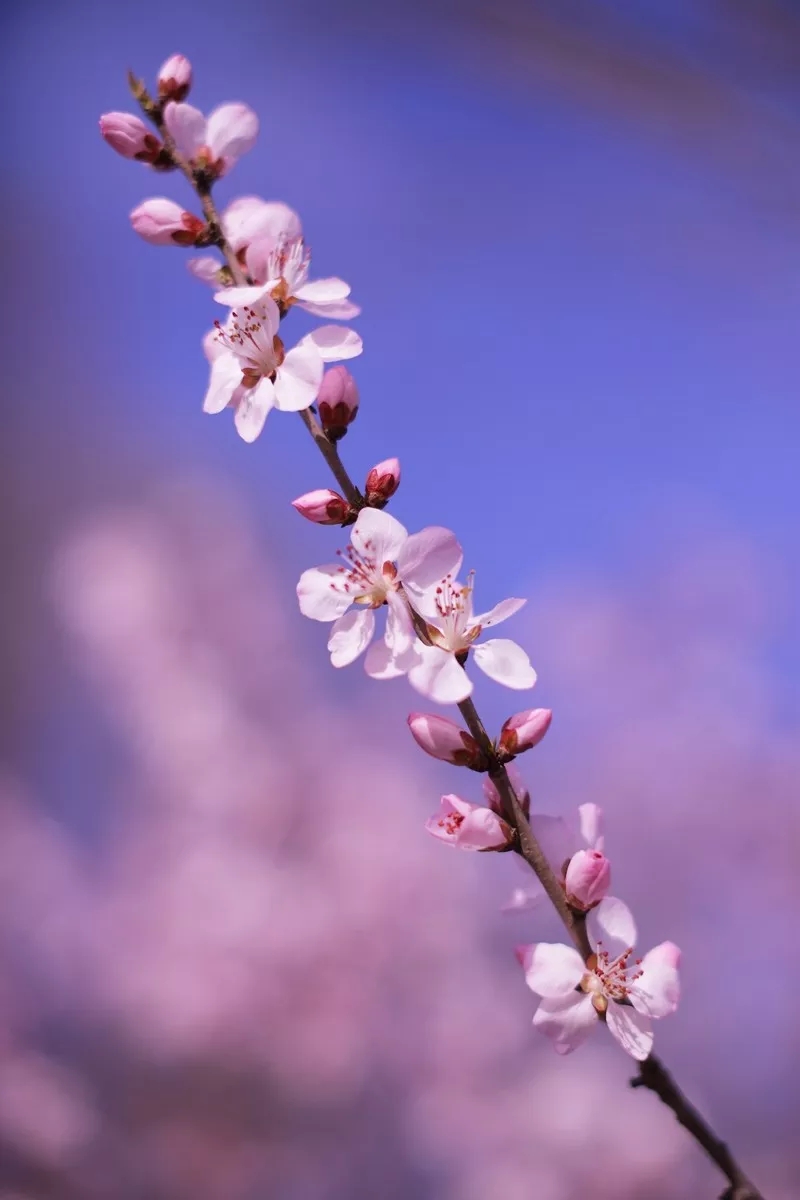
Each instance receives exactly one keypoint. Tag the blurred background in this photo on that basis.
(233, 964)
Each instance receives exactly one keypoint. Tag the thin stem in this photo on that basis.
(330, 453)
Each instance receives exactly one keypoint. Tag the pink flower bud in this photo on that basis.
(524, 730)
(443, 739)
(175, 78)
(469, 826)
(130, 137)
(382, 482)
(337, 402)
(324, 507)
(162, 222)
(587, 878)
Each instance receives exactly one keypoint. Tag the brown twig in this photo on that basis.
(653, 1075)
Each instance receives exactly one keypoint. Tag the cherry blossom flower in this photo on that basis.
(381, 556)
(629, 992)
(560, 840)
(469, 826)
(453, 628)
(130, 137)
(215, 143)
(175, 78)
(251, 370)
(244, 219)
(280, 267)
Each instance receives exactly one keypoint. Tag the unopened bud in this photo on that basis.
(130, 137)
(175, 78)
(324, 507)
(443, 739)
(337, 402)
(587, 879)
(162, 222)
(382, 482)
(524, 730)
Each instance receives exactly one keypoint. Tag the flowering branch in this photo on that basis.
(431, 631)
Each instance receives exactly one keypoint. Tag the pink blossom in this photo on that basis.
(324, 507)
(469, 826)
(438, 670)
(213, 144)
(246, 218)
(162, 222)
(251, 370)
(130, 137)
(524, 730)
(629, 992)
(380, 557)
(280, 267)
(587, 878)
(443, 739)
(337, 402)
(175, 78)
(382, 482)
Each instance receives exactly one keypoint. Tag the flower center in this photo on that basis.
(363, 578)
(248, 334)
(288, 262)
(451, 822)
(454, 610)
(610, 978)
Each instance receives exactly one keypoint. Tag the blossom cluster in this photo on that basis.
(431, 630)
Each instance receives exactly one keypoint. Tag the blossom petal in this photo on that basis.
(427, 557)
(252, 409)
(205, 268)
(298, 379)
(611, 927)
(567, 1020)
(351, 635)
(500, 612)
(321, 596)
(237, 297)
(439, 676)
(382, 663)
(482, 829)
(400, 635)
(632, 1029)
(250, 217)
(322, 291)
(186, 126)
(591, 823)
(657, 990)
(335, 343)
(232, 131)
(341, 310)
(505, 662)
(378, 535)
(552, 969)
(225, 377)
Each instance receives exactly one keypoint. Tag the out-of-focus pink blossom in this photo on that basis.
(215, 143)
(524, 730)
(382, 482)
(469, 826)
(443, 739)
(130, 137)
(252, 371)
(323, 506)
(337, 402)
(381, 555)
(437, 670)
(244, 219)
(560, 840)
(175, 78)
(629, 992)
(162, 222)
(587, 878)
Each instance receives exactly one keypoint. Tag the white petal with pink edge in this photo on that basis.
(378, 535)
(611, 927)
(567, 1020)
(427, 557)
(351, 635)
(505, 662)
(631, 1029)
(225, 378)
(186, 126)
(500, 612)
(232, 131)
(322, 291)
(439, 676)
(335, 310)
(335, 343)
(298, 379)
(657, 990)
(253, 408)
(318, 594)
(552, 969)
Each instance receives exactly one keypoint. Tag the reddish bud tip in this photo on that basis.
(175, 78)
(382, 482)
(337, 402)
(524, 730)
